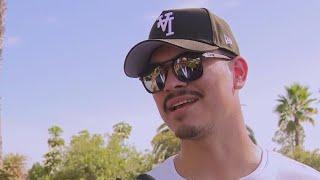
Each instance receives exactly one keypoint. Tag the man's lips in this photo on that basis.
(178, 99)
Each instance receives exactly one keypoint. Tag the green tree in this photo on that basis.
(56, 144)
(5, 175)
(52, 159)
(164, 143)
(85, 158)
(37, 172)
(311, 158)
(14, 166)
(129, 162)
(91, 157)
(293, 109)
(285, 140)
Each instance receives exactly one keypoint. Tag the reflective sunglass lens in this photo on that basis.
(154, 81)
(188, 68)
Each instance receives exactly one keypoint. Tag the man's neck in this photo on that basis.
(222, 155)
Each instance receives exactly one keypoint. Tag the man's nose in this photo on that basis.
(173, 82)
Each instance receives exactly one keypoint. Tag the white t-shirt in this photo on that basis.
(273, 166)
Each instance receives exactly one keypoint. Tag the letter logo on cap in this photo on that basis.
(165, 22)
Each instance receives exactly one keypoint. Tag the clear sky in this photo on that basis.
(63, 65)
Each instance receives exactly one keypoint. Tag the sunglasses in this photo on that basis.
(186, 67)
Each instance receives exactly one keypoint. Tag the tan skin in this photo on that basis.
(214, 139)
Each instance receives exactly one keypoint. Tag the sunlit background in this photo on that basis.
(63, 65)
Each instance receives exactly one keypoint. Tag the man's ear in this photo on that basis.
(240, 72)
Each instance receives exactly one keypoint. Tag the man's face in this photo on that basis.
(193, 110)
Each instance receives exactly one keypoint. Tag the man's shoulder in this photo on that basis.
(164, 170)
(287, 168)
(166, 167)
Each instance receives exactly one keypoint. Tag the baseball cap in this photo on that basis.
(194, 29)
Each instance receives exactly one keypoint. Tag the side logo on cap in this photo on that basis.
(228, 40)
(165, 22)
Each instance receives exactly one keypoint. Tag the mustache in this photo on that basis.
(180, 93)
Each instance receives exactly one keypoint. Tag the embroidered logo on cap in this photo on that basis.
(228, 40)
(165, 22)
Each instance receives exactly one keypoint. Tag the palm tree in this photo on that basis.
(2, 12)
(294, 109)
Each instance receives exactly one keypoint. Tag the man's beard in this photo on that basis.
(193, 132)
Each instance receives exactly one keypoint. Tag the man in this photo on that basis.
(192, 66)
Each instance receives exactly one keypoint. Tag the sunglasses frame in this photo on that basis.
(165, 65)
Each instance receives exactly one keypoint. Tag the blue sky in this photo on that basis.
(63, 65)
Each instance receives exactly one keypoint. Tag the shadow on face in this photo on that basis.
(165, 52)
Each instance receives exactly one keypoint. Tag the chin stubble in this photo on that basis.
(193, 132)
